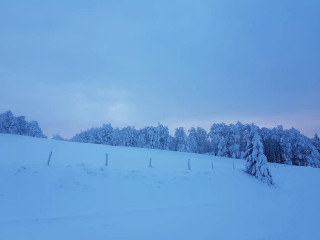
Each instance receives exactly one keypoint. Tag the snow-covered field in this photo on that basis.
(77, 197)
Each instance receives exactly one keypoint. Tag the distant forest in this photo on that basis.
(280, 145)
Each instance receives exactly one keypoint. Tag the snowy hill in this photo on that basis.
(77, 197)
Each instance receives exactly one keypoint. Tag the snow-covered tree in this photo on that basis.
(271, 139)
(117, 138)
(219, 135)
(18, 125)
(172, 143)
(142, 138)
(88, 136)
(34, 130)
(21, 126)
(202, 140)
(181, 140)
(58, 137)
(154, 137)
(235, 142)
(192, 141)
(279, 145)
(163, 133)
(298, 149)
(146, 137)
(129, 136)
(6, 120)
(105, 134)
(316, 142)
(256, 160)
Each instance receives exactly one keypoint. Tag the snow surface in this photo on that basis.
(77, 197)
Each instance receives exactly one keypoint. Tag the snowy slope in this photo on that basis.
(77, 197)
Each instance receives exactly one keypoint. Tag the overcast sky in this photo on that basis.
(72, 65)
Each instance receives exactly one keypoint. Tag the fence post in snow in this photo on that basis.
(211, 164)
(233, 164)
(150, 165)
(49, 158)
(107, 160)
(189, 168)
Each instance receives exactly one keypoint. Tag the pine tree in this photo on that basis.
(256, 160)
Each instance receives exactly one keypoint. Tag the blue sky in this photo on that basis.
(72, 65)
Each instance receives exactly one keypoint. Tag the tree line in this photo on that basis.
(286, 146)
(279, 145)
(18, 125)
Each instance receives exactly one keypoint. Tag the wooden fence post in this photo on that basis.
(107, 160)
(49, 158)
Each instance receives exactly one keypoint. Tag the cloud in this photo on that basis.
(67, 108)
